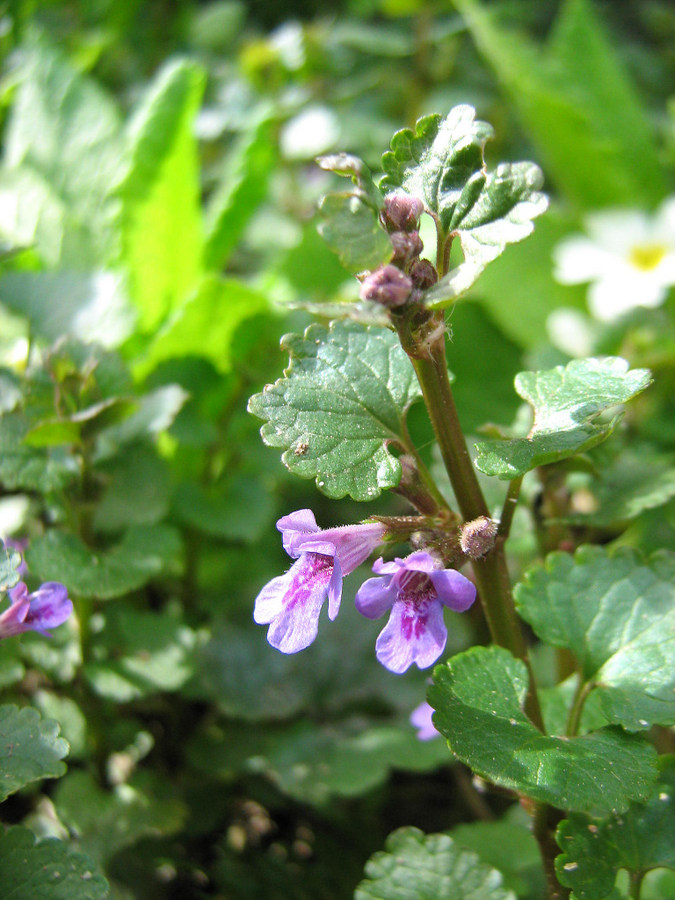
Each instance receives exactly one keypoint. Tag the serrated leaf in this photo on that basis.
(10, 560)
(415, 866)
(616, 613)
(351, 228)
(161, 217)
(479, 697)
(341, 402)
(441, 162)
(565, 401)
(641, 839)
(46, 869)
(143, 553)
(30, 748)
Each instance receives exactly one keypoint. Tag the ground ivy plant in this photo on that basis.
(582, 756)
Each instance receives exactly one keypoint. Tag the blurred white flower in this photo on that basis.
(313, 131)
(571, 331)
(627, 256)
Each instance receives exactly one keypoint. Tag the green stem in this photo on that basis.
(636, 885)
(543, 830)
(510, 503)
(574, 718)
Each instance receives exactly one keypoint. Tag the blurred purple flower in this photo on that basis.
(420, 718)
(291, 603)
(45, 608)
(415, 589)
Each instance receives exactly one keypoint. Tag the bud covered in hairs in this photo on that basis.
(401, 212)
(476, 538)
(423, 274)
(407, 245)
(386, 285)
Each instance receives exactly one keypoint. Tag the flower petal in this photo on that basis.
(375, 597)
(270, 601)
(412, 635)
(294, 527)
(354, 543)
(50, 606)
(335, 591)
(453, 589)
(420, 718)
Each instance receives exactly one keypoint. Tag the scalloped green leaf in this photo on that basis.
(641, 839)
(46, 869)
(418, 866)
(341, 402)
(351, 228)
(10, 560)
(144, 553)
(616, 612)
(565, 401)
(478, 697)
(442, 163)
(30, 748)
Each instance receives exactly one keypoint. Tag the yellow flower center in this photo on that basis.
(647, 256)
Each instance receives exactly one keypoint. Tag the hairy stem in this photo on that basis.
(574, 717)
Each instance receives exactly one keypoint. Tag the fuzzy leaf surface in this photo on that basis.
(341, 401)
(30, 748)
(479, 697)
(565, 401)
(616, 613)
(47, 869)
(442, 163)
(350, 227)
(641, 839)
(418, 866)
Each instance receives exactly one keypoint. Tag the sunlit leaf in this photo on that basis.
(441, 162)
(565, 401)
(161, 219)
(428, 867)
(340, 404)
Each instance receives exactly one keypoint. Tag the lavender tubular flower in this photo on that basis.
(291, 603)
(45, 608)
(415, 589)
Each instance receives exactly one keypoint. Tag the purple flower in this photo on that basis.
(415, 589)
(291, 603)
(420, 718)
(45, 608)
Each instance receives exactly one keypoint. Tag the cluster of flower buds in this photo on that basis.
(406, 276)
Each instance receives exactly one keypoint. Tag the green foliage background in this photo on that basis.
(158, 236)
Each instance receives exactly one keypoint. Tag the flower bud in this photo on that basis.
(423, 274)
(401, 212)
(477, 538)
(407, 245)
(386, 285)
